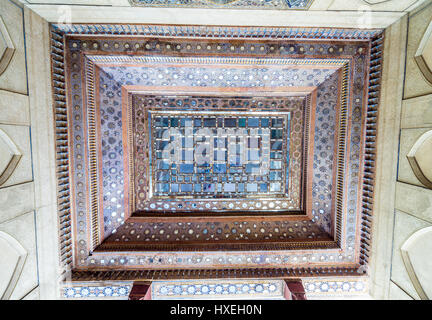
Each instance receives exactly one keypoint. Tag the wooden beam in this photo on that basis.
(140, 291)
(294, 290)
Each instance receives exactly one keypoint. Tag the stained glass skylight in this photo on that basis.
(219, 156)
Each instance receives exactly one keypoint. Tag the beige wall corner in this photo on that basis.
(417, 112)
(43, 148)
(387, 155)
(13, 77)
(418, 6)
(32, 295)
(414, 200)
(19, 148)
(397, 293)
(375, 5)
(225, 17)
(320, 4)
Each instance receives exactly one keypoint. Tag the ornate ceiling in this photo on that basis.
(239, 4)
(284, 119)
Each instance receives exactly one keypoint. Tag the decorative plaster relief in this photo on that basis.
(372, 5)
(415, 83)
(7, 48)
(12, 259)
(372, 2)
(416, 252)
(396, 293)
(423, 56)
(10, 156)
(14, 77)
(14, 200)
(417, 112)
(420, 159)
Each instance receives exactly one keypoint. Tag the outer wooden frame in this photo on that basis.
(305, 185)
(91, 70)
(371, 120)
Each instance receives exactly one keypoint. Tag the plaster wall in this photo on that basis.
(28, 209)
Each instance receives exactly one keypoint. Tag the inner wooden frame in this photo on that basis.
(329, 241)
(307, 147)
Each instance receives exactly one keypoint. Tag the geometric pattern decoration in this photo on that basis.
(314, 288)
(420, 159)
(416, 252)
(12, 262)
(325, 287)
(217, 289)
(86, 291)
(7, 48)
(9, 158)
(423, 55)
(122, 94)
(237, 4)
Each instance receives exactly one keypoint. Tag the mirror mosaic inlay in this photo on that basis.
(301, 104)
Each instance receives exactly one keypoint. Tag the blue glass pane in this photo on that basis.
(236, 156)
(219, 168)
(186, 168)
